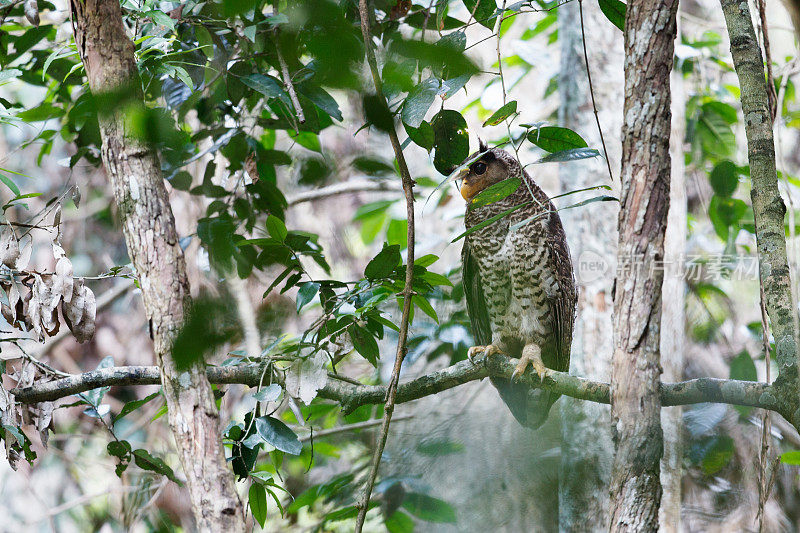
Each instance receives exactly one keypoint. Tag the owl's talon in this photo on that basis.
(487, 351)
(531, 355)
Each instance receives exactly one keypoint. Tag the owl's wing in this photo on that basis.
(563, 302)
(476, 302)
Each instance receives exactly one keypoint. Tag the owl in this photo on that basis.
(518, 281)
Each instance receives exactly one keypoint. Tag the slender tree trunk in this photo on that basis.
(149, 227)
(768, 207)
(586, 450)
(673, 316)
(635, 402)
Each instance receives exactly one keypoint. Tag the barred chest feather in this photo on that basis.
(517, 270)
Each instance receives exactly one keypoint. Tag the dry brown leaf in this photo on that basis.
(25, 249)
(9, 247)
(62, 281)
(79, 314)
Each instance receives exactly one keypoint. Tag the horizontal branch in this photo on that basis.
(351, 396)
(344, 187)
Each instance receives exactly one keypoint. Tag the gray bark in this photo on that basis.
(149, 228)
(768, 206)
(635, 401)
(586, 457)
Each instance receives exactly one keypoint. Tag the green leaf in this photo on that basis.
(724, 213)
(717, 455)
(41, 112)
(10, 184)
(119, 448)
(724, 178)
(159, 17)
(276, 228)
(270, 393)
(422, 136)
(364, 343)
(372, 209)
(495, 192)
(742, 367)
(715, 134)
(204, 40)
(145, 461)
(131, 406)
(791, 457)
(278, 435)
(266, 85)
(426, 260)
(614, 10)
(306, 293)
(377, 113)
(501, 114)
(342, 514)
(726, 111)
(426, 307)
(399, 522)
(488, 221)
(308, 140)
(384, 263)
(572, 154)
(556, 139)
(321, 98)
(447, 53)
(451, 140)
(418, 101)
(440, 446)
(429, 508)
(372, 166)
(181, 181)
(436, 279)
(451, 86)
(257, 496)
(483, 12)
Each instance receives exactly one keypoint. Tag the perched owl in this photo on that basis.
(519, 284)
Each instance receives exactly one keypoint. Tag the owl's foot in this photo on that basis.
(531, 355)
(488, 351)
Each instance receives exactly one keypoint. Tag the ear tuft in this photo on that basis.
(482, 146)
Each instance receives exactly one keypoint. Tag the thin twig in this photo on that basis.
(342, 188)
(408, 189)
(591, 91)
(350, 427)
(772, 95)
(287, 80)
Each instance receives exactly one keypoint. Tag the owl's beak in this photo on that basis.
(467, 191)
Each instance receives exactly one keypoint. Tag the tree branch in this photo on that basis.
(768, 206)
(408, 189)
(729, 391)
(342, 188)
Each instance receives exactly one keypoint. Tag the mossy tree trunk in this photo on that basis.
(134, 170)
(644, 201)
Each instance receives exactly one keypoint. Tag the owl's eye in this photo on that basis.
(479, 168)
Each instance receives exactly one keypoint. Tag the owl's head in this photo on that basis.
(493, 166)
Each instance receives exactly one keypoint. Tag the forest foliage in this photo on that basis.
(246, 88)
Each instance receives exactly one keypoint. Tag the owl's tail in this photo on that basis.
(529, 406)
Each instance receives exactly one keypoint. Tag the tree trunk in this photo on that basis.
(768, 207)
(644, 201)
(149, 227)
(586, 450)
(673, 318)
